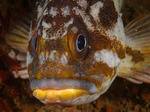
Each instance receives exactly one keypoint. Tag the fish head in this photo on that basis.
(75, 51)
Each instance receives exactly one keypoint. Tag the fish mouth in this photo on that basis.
(63, 84)
(63, 91)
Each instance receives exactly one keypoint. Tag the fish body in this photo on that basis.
(76, 49)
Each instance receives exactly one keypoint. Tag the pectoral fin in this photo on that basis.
(137, 63)
(17, 38)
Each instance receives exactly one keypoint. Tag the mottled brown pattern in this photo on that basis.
(137, 56)
(59, 20)
(108, 14)
(104, 69)
(98, 42)
(49, 70)
(120, 50)
(35, 13)
(88, 9)
(78, 22)
(53, 45)
(63, 3)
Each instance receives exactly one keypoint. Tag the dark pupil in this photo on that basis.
(35, 43)
(81, 42)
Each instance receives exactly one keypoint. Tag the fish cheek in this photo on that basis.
(101, 68)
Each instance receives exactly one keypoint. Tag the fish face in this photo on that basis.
(76, 49)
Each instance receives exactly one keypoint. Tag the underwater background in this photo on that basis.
(16, 96)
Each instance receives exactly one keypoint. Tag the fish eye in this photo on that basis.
(79, 45)
(35, 41)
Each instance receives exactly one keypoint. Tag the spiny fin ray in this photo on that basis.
(17, 36)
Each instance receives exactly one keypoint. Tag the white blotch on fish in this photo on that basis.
(29, 58)
(82, 3)
(64, 60)
(53, 11)
(65, 11)
(85, 17)
(95, 10)
(108, 57)
(46, 26)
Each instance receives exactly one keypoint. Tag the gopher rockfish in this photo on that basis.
(76, 48)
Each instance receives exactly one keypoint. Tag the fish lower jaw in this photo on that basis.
(62, 96)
